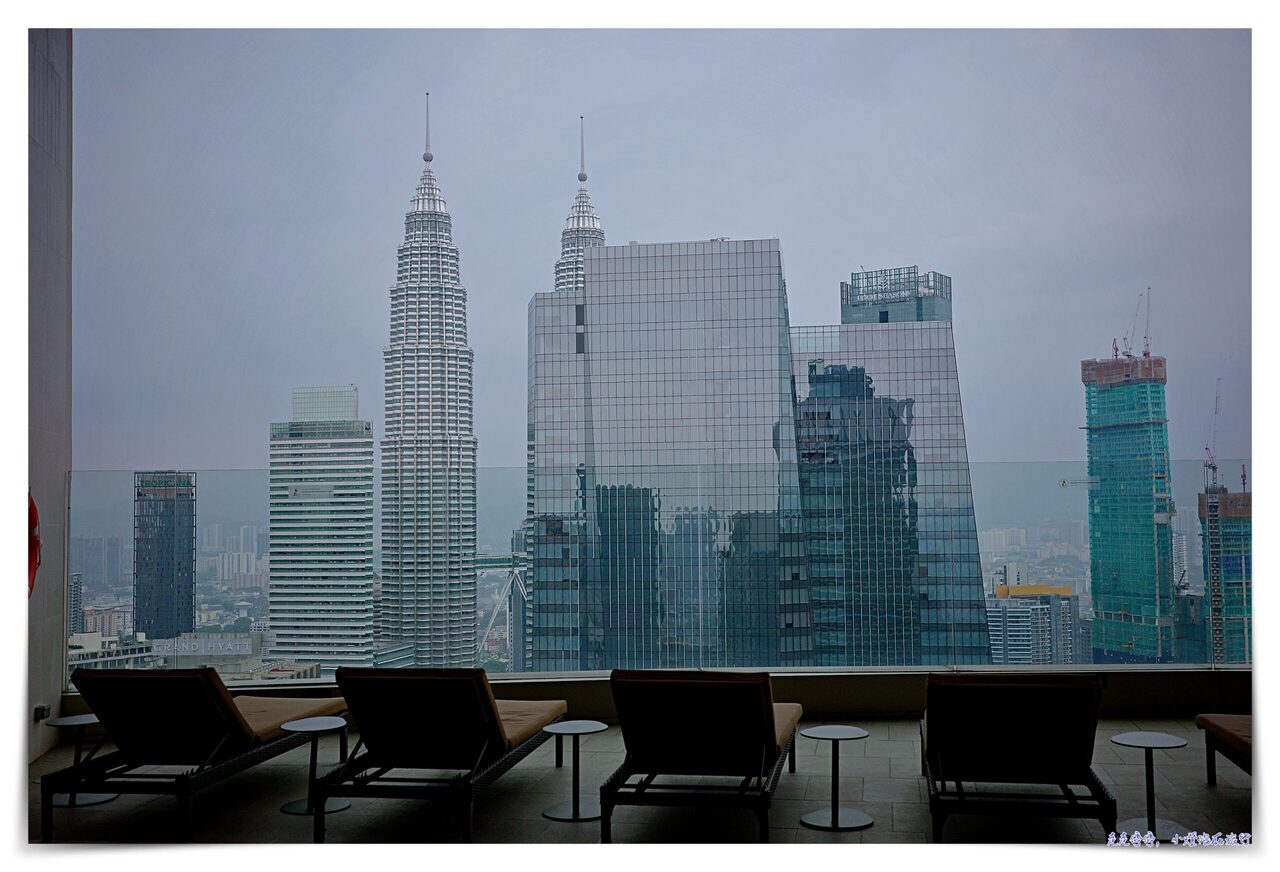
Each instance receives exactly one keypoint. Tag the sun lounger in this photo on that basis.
(1228, 735)
(443, 723)
(181, 719)
(1006, 731)
(698, 723)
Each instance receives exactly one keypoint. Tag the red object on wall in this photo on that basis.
(33, 551)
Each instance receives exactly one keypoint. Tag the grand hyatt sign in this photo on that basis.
(202, 647)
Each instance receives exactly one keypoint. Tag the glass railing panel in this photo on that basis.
(881, 560)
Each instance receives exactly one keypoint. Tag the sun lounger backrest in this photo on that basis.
(157, 717)
(424, 718)
(1010, 728)
(682, 722)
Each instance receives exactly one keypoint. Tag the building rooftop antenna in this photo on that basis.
(427, 155)
(582, 149)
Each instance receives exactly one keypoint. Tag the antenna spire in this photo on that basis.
(426, 155)
(582, 150)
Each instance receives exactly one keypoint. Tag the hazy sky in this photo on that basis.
(239, 196)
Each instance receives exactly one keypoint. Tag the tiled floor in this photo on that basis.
(879, 775)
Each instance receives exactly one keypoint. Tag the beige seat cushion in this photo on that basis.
(522, 718)
(786, 717)
(265, 714)
(1234, 731)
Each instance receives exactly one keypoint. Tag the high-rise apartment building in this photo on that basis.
(100, 559)
(164, 553)
(889, 530)
(75, 604)
(321, 531)
(713, 487)
(428, 446)
(1134, 593)
(1226, 545)
(1034, 624)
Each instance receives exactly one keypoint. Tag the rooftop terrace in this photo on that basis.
(880, 775)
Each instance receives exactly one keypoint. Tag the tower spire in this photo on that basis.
(582, 150)
(426, 155)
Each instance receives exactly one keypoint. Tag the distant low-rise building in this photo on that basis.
(98, 651)
(108, 620)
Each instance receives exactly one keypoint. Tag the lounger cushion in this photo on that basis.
(265, 714)
(1234, 731)
(523, 718)
(786, 717)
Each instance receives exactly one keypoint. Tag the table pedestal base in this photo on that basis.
(64, 800)
(1164, 831)
(846, 819)
(331, 805)
(563, 811)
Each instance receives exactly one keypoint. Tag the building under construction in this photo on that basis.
(1135, 594)
(1226, 538)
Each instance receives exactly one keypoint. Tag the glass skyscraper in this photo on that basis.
(321, 531)
(713, 487)
(665, 526)
(164, 553)
(428, 445)
(1134, 593)
(884, 474)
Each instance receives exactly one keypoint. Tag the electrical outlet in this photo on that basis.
(42, 712)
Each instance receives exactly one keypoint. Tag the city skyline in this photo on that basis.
(1015, 258)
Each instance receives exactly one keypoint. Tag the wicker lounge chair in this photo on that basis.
(1228, 735)
(991, 729)
(699, 723)
(445, 721)
(181, 720)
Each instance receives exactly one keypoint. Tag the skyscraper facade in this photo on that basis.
(716, 488)
(1134, 593)
(164, 553)
(320, 592)
(428, 445)
(889, 530)
(665, 524)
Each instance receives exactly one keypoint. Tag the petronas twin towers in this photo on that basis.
(429, 443)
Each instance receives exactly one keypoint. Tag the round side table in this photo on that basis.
(79, 800)
(315, 727)
(835, 817)
(1162, 829)
(575, 810)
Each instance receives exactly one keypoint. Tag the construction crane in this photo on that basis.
(1133, 328)
(1211, 447)
(1146, 334)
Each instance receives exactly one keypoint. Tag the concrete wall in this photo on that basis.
(49, 362)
